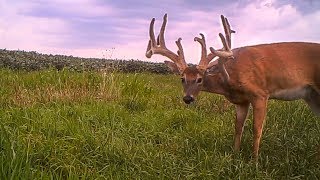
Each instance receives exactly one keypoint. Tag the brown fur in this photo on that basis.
(285, 71)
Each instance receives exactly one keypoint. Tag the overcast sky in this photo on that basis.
(119, 28)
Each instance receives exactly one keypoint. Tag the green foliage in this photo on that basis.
(89, 125)
(33, 61)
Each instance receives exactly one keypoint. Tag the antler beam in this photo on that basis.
(223, 53)
(205, 58)
(159, 46)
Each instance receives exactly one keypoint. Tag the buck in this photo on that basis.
(246, 76)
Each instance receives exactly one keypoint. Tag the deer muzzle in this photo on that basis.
(188, 99)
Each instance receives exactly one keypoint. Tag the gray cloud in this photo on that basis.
(304, 6)
(100, 24)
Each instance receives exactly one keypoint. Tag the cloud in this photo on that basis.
(257, 22)
(99, 28)
(57, 27)
(19, 32)
(71, 9)
(261, 23)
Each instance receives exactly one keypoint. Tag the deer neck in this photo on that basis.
(215, 84)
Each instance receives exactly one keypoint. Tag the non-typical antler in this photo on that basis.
(223, 53)
(226, 53)
(205, 58)
(159, 46)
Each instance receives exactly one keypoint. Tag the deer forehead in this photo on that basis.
(192, 73)
(192, 76)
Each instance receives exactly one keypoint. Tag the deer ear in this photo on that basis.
(172, 66)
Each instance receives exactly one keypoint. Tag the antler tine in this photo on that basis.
(159, 46)
(202, 42)
(225, 52)
(205, 58)
(161, 34)
(227, 33)
(152, 40)
(227, 30)
(151, 32)
(180, 51)
(181, 54)
(158, 41)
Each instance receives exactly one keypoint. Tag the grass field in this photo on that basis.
(68, 125)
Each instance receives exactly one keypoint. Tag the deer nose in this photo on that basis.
(188, 99)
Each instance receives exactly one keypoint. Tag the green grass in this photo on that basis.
(68, 125)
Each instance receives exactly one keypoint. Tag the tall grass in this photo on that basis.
(68, 125)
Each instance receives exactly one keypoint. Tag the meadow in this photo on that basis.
(93, 125)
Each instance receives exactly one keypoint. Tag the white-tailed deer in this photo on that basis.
(247, 75)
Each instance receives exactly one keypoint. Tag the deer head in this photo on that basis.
(193, 77)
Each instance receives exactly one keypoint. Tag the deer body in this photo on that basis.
(248, 75)
(284, 71)
(277, 71)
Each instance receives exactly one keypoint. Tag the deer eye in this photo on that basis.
(183, 80)
(199, 80)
